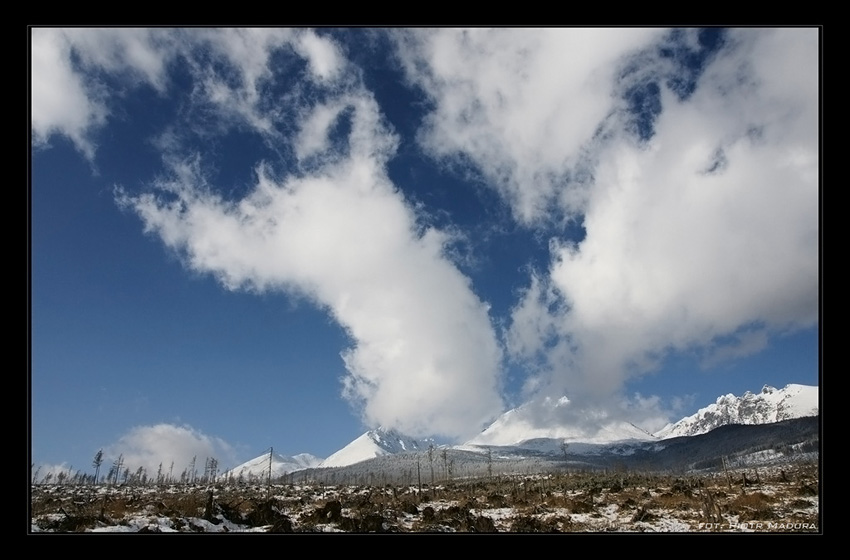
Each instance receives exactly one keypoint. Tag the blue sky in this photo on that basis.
(244, 238)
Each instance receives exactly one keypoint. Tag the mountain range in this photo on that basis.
(514, 433)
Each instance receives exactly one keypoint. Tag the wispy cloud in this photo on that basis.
(521, 105)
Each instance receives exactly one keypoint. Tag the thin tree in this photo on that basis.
(269, 485)
(431, 461)
(191, 474)
(419, 472)
(116, 467)
(489, 463)
(98, 461)
(140, 476)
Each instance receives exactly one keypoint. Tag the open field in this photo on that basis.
(768, 499)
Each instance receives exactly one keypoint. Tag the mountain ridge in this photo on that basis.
(513, 428)
(768, 406)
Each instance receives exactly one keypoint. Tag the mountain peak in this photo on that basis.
(374, 443)
(769, 405)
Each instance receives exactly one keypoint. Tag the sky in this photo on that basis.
(244, 238)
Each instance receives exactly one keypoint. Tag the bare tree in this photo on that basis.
(431, 461)
(564, 446)
(98, 461)
(210, 468)
(489, 463)
(116, 468)
(419, 472)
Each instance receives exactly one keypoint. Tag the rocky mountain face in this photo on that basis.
(769, 405)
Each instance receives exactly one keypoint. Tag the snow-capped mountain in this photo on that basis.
(280, 465)
(548, 423)
(373, 443)
(557, 420)
(770, 405)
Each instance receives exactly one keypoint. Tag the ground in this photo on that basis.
(754, 500)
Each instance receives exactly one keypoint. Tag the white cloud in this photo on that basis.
(60, 102)
(138, 53)
(522, 105)
(236, 89)
(698, 233)
(324, 57)
(69, 99)
(680, 252)
(425, 358)
(705, 233)
(164, 445)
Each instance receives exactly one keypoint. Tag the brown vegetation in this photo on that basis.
(778, 501)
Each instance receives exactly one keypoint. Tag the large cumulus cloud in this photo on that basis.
(701, 213)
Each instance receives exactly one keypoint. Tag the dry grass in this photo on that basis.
(574, 502)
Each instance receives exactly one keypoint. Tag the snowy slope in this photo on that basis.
(281, 465)
(550, 419)
(770, 405)
(373, 443)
